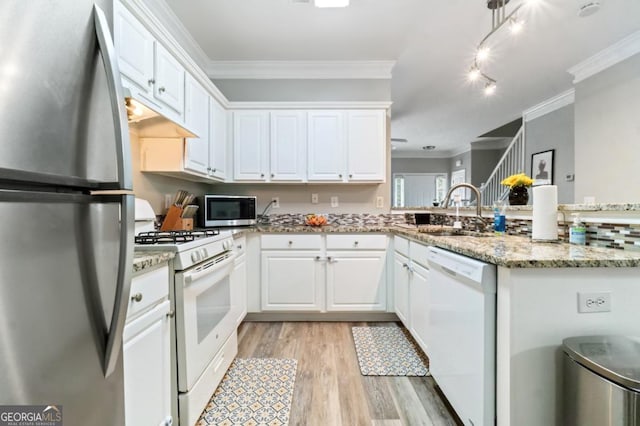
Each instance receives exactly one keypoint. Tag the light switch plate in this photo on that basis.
(314, 198)
(334, 201)
(379, 202)
(276, 202)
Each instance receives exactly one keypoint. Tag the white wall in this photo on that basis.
(607, 134)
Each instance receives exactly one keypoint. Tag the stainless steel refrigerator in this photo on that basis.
(65, 249)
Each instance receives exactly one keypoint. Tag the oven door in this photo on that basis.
(204, 318)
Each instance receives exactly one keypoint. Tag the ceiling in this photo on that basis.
(433, 45)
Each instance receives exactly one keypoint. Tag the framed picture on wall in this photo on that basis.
(542, 168)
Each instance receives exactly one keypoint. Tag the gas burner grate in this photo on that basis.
(173, 237)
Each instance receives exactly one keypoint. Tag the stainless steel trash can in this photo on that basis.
(601, 381)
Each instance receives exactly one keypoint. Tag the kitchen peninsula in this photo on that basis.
(537, 297)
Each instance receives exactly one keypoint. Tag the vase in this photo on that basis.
(518, 196)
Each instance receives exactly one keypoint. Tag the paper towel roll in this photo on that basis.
(545, 213)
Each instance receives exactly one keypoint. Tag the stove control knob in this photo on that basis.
(227, 244)
(205, 253)
(195, 256)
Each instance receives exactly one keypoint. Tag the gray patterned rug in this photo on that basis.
(388, 351)
(255, 391)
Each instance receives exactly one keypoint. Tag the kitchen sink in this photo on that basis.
(455, 233)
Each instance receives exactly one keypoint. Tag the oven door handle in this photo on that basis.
(197, 274)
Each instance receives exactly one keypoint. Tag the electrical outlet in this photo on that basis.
(168, 198)
(379, 202)
(334, 201)
(314, 198)
(276, 202)
(594, 302)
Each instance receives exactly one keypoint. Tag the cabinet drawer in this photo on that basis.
(401, 245)
(356, 241)
(149, 288)
(296, 242)
(419, 253)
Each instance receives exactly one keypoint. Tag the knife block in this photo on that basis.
(174, 222)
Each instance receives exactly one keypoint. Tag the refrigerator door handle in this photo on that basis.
(116, 94)
(123, 288)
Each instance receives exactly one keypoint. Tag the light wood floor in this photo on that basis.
(329, 389)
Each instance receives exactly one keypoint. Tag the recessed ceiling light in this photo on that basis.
(331, 3)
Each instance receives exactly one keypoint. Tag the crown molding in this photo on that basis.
(550, 105)
(157, 28)
(606, 58)
(379, 70)
(311, 105)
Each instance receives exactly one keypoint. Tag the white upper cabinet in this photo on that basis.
(169, 79)
(288, 146)
(196, 156)
(326, 146)
(366, 157)
(251, 145)
(217, 140)
(135, 47)
(151, 72)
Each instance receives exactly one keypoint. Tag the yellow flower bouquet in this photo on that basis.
(519, 179)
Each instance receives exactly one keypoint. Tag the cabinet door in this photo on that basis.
(134, 45)
(367, 145)
(288, 145)
(419, 299)
(326, 146)
(250, 145)
(196, 118)
(356, 281)
(238, 280)
(217, 140)
(401, 287)
(147, 368)
(169, 86)
(292, 281)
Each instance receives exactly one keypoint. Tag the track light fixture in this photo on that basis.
(499, 18)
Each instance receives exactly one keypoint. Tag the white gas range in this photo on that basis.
(204, 324)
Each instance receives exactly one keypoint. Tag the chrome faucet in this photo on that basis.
(479, 218)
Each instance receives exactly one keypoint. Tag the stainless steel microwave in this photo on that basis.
(226, 210)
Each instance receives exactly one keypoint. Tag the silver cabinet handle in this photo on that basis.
(239, 247)
(330, 259)
(355, 243)
(350, 175)
(151, 82)
(340, 176)
(137, 297)
(118, 107)
(290, 242)
(171, 314)
(272, 175)
(404, 265)
(161, 89)
(261, 175)
(208, 169)
(214, 170)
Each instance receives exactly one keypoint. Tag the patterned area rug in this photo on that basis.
(254, 392)
(388, 351)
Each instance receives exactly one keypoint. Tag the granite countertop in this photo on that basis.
(520, 252)
(146, 259)
(509, 251)
(600, 207)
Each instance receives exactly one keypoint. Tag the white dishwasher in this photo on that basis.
(462, 333)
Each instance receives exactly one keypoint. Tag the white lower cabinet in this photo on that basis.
(356, 281)
(292, 280)
(419, 300)
(146, 351)
(401, 276)
(321, 273)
